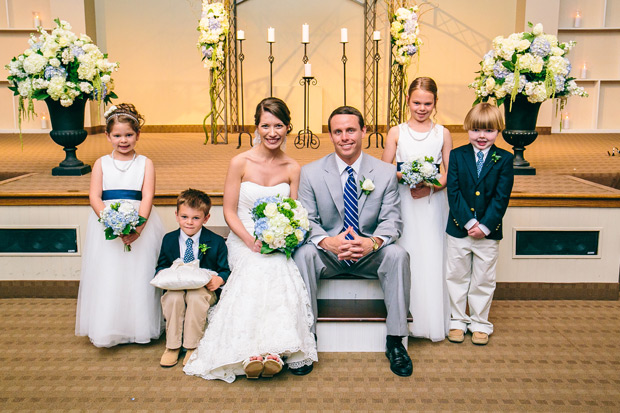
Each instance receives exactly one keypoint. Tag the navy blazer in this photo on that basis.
(215, 259)
(486, 196)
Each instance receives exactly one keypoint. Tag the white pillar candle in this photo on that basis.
(344, 36)
(565, 122)
(240, 35)
(584, 71)
(376, 35)
(305, 33)
(577, 22)
(307, 70)
(36, 19)
(43, 122)
(271, 35)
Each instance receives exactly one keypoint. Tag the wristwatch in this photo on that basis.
(375, 244)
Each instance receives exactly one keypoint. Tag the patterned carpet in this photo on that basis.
(544, 356)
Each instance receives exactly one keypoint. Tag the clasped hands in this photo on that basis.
(348, 249)
(476, 232)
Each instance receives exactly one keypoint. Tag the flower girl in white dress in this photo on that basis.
(264, 313)
(116, 303)
(424, 210)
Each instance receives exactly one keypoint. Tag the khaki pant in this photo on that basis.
(470, 278)
(185, 312)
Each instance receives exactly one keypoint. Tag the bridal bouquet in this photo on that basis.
(280, 223)
(120, 218)
(531, 63)
(62, 66)
(420, 170)
(404, 31)
(213, 28)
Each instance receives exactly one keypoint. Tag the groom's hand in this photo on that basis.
(360, 247)
(337, 244)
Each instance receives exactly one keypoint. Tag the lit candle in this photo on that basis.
(344, 36)
(271, 35)
(577, 22)
(36, 19)
(376, 35)
(305, 33)
(43, 122)
(307, 70)
(584, 71)
(565, 122)
(240, 35)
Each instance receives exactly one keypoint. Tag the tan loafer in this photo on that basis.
(456, 335)
(170, 357)
(479, 338)
(188, 354)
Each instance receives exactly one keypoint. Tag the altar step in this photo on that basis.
(351, 315)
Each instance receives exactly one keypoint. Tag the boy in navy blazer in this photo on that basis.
(480, 179)
(185, 311)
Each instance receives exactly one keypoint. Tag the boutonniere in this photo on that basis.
(203, 249)
(367, 186)
(495, 157)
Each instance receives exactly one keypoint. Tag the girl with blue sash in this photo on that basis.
(116, 303)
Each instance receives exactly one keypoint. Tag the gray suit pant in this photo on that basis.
(390, 264)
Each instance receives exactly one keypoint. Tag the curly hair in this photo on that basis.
(124, 113)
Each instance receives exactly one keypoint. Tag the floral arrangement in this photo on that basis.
(419, 170)
(62, 66)
(120, 218)
(404, 32)
(213, 28)
(532, 63)
(280, 223)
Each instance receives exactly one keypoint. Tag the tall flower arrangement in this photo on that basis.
(213, 27)
(532, 63)
(62, 66)
(404, 32)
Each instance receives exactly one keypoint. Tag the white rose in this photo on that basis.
(427, 169)
(268, 236)
(55, 62)
(126, 208)
(271, 209)
(299, 234)
(368, 185)
(538, 29)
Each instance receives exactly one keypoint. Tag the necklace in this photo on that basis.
(128, 166)
(425, 136)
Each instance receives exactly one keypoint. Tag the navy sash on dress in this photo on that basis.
(121, 194)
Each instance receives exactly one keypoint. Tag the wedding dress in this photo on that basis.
(264, 307)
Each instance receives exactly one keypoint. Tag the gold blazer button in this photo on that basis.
(477, 193)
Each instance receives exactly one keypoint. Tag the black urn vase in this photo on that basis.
(521, 130)
(68, 132)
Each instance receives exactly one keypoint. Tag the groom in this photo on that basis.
(353, 227)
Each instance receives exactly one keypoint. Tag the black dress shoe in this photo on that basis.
(301, 371)
(400, 363)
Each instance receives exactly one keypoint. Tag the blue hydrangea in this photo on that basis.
(540, 47)
(214, 24)
(411, 49)
(207, 52)
(568, 65)
(51, 71)
(559, 83)
(499, 71)
(77, 51)
(261, 225)
(490, 55)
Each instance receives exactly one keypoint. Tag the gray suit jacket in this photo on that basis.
(321, 192)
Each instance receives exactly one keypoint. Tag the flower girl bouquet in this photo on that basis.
(419, 170)
(280, 223)
(120, 218)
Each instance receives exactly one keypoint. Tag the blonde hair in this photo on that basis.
(484, 116)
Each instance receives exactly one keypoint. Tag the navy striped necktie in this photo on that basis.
(350, 206)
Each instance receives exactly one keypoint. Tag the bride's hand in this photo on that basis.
(255, 245)
(420, 192)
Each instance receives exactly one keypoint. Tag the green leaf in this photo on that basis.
(109, 234)
(266, 249)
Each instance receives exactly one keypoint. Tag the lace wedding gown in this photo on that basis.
(264, 307)
(424, 228)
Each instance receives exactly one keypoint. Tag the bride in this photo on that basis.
(264, 314)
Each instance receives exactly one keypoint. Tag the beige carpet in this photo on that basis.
(544, 356)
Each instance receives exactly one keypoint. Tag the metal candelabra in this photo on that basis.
(376, 133)
(271, 59)
(242, 130)
(305, 137)
(344, 71)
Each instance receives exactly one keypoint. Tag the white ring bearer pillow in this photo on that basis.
(182, 276)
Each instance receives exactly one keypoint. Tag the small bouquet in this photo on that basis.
(280, 223)
(421, 169)
(120, 218)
